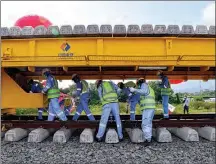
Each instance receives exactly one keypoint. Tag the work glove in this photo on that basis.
(132, 89)
(77, 100)
(30, 92)
(43, 92)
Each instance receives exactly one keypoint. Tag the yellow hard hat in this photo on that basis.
(159, 72)
(45, 70)
(130, 84)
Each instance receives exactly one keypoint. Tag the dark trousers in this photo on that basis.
(186, 109)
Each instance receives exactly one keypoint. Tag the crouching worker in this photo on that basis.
(147, 105)
(66, 103)
(82, 98)
(107, 91)
(133, 98)
(36, 87)
(53, 93)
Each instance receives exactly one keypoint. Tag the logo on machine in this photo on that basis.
(65, 47)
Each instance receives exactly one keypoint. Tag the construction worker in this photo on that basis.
(147, 104)
(108, 93)
(67, 103)
(36, 87)
(53, 93)
(165, 92)
(83, 96)
(133, 98)
(186, 103)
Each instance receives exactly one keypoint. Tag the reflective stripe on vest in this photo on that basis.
(109, 94)
(166, 91)
(53, 92)
(84, 86)
(148, 102)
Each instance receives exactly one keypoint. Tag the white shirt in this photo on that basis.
(187, 102)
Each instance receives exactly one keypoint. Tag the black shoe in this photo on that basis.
(38, 119)
(121, 140)
(147, 143)
(98, 139)
(164, 119)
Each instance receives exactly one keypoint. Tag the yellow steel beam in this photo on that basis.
(109, 51)
(15, 97)
(184, 75)
(8, 111)
(116, 77)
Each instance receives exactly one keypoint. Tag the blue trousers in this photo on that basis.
(132, 109)
(40, 113)
(165, 101)
(55, 110)
(83, 105)
(147, 117)
(107, 109)
(67, 110)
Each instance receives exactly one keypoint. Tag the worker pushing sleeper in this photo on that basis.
(83, 96)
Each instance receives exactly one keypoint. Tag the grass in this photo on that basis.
(195, 108)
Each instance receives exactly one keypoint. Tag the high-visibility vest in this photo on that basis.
(85, 88)
(166, 91)
(148, 102)
(53, 92)
(109, 94)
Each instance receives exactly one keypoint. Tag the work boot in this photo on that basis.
(121, 140)
(164, 118)
(40, 119)
(98, 139)
(147, 143)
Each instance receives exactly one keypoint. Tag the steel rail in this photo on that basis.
(123, 117)
(94, 124)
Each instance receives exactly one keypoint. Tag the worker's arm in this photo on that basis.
(144, 90)
(165, 82)
(73, 105)
(118, 90)
(100, 92)
(32, 89)
(48, 84)
(79, 88)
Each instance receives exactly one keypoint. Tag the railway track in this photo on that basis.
(123, 117)
(178, 120)
(183, 126)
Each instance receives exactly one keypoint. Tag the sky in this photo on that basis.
(121, 12)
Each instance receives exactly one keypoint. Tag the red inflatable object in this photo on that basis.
(175, 81)
(32, 20)
(44, 83)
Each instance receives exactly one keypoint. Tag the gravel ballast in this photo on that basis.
(72, 152)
